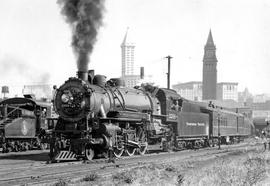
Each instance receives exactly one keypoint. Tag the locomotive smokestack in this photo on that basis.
(82, 75)
(85, 18)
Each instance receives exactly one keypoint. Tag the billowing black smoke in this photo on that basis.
(85, 18)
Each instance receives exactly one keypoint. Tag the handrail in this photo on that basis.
(115, 96)
(122, 104)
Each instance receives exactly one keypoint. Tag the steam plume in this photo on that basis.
(85, 18)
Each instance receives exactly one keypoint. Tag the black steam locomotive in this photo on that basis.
(23, 124)
(97, 116)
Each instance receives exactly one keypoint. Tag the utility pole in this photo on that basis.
(219, 138)
(169, 71)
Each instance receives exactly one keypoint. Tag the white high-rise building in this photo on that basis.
(128, 49)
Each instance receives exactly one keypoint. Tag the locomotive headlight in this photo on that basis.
(65, 98)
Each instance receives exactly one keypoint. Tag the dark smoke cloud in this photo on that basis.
(85, 18)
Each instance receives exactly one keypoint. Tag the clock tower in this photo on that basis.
(209, 85)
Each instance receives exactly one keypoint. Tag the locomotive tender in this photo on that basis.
(23, 124)
(97, 116)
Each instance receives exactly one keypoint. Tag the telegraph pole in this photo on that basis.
(219, 138)
(169, 71)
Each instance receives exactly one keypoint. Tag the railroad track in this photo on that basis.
(51, 173)
(43, 176)
(105, 172)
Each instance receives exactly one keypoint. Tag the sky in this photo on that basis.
(35, 41)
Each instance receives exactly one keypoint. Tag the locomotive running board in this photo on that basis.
(65, 156)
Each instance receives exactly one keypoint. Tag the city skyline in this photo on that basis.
(35, 41)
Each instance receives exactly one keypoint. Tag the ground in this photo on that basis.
(244, 167)
(242, 164)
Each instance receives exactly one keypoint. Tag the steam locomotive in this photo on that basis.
(23, 124)
(98, 116)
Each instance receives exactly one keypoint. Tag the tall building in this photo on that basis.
(209, 85)
(128, 49)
